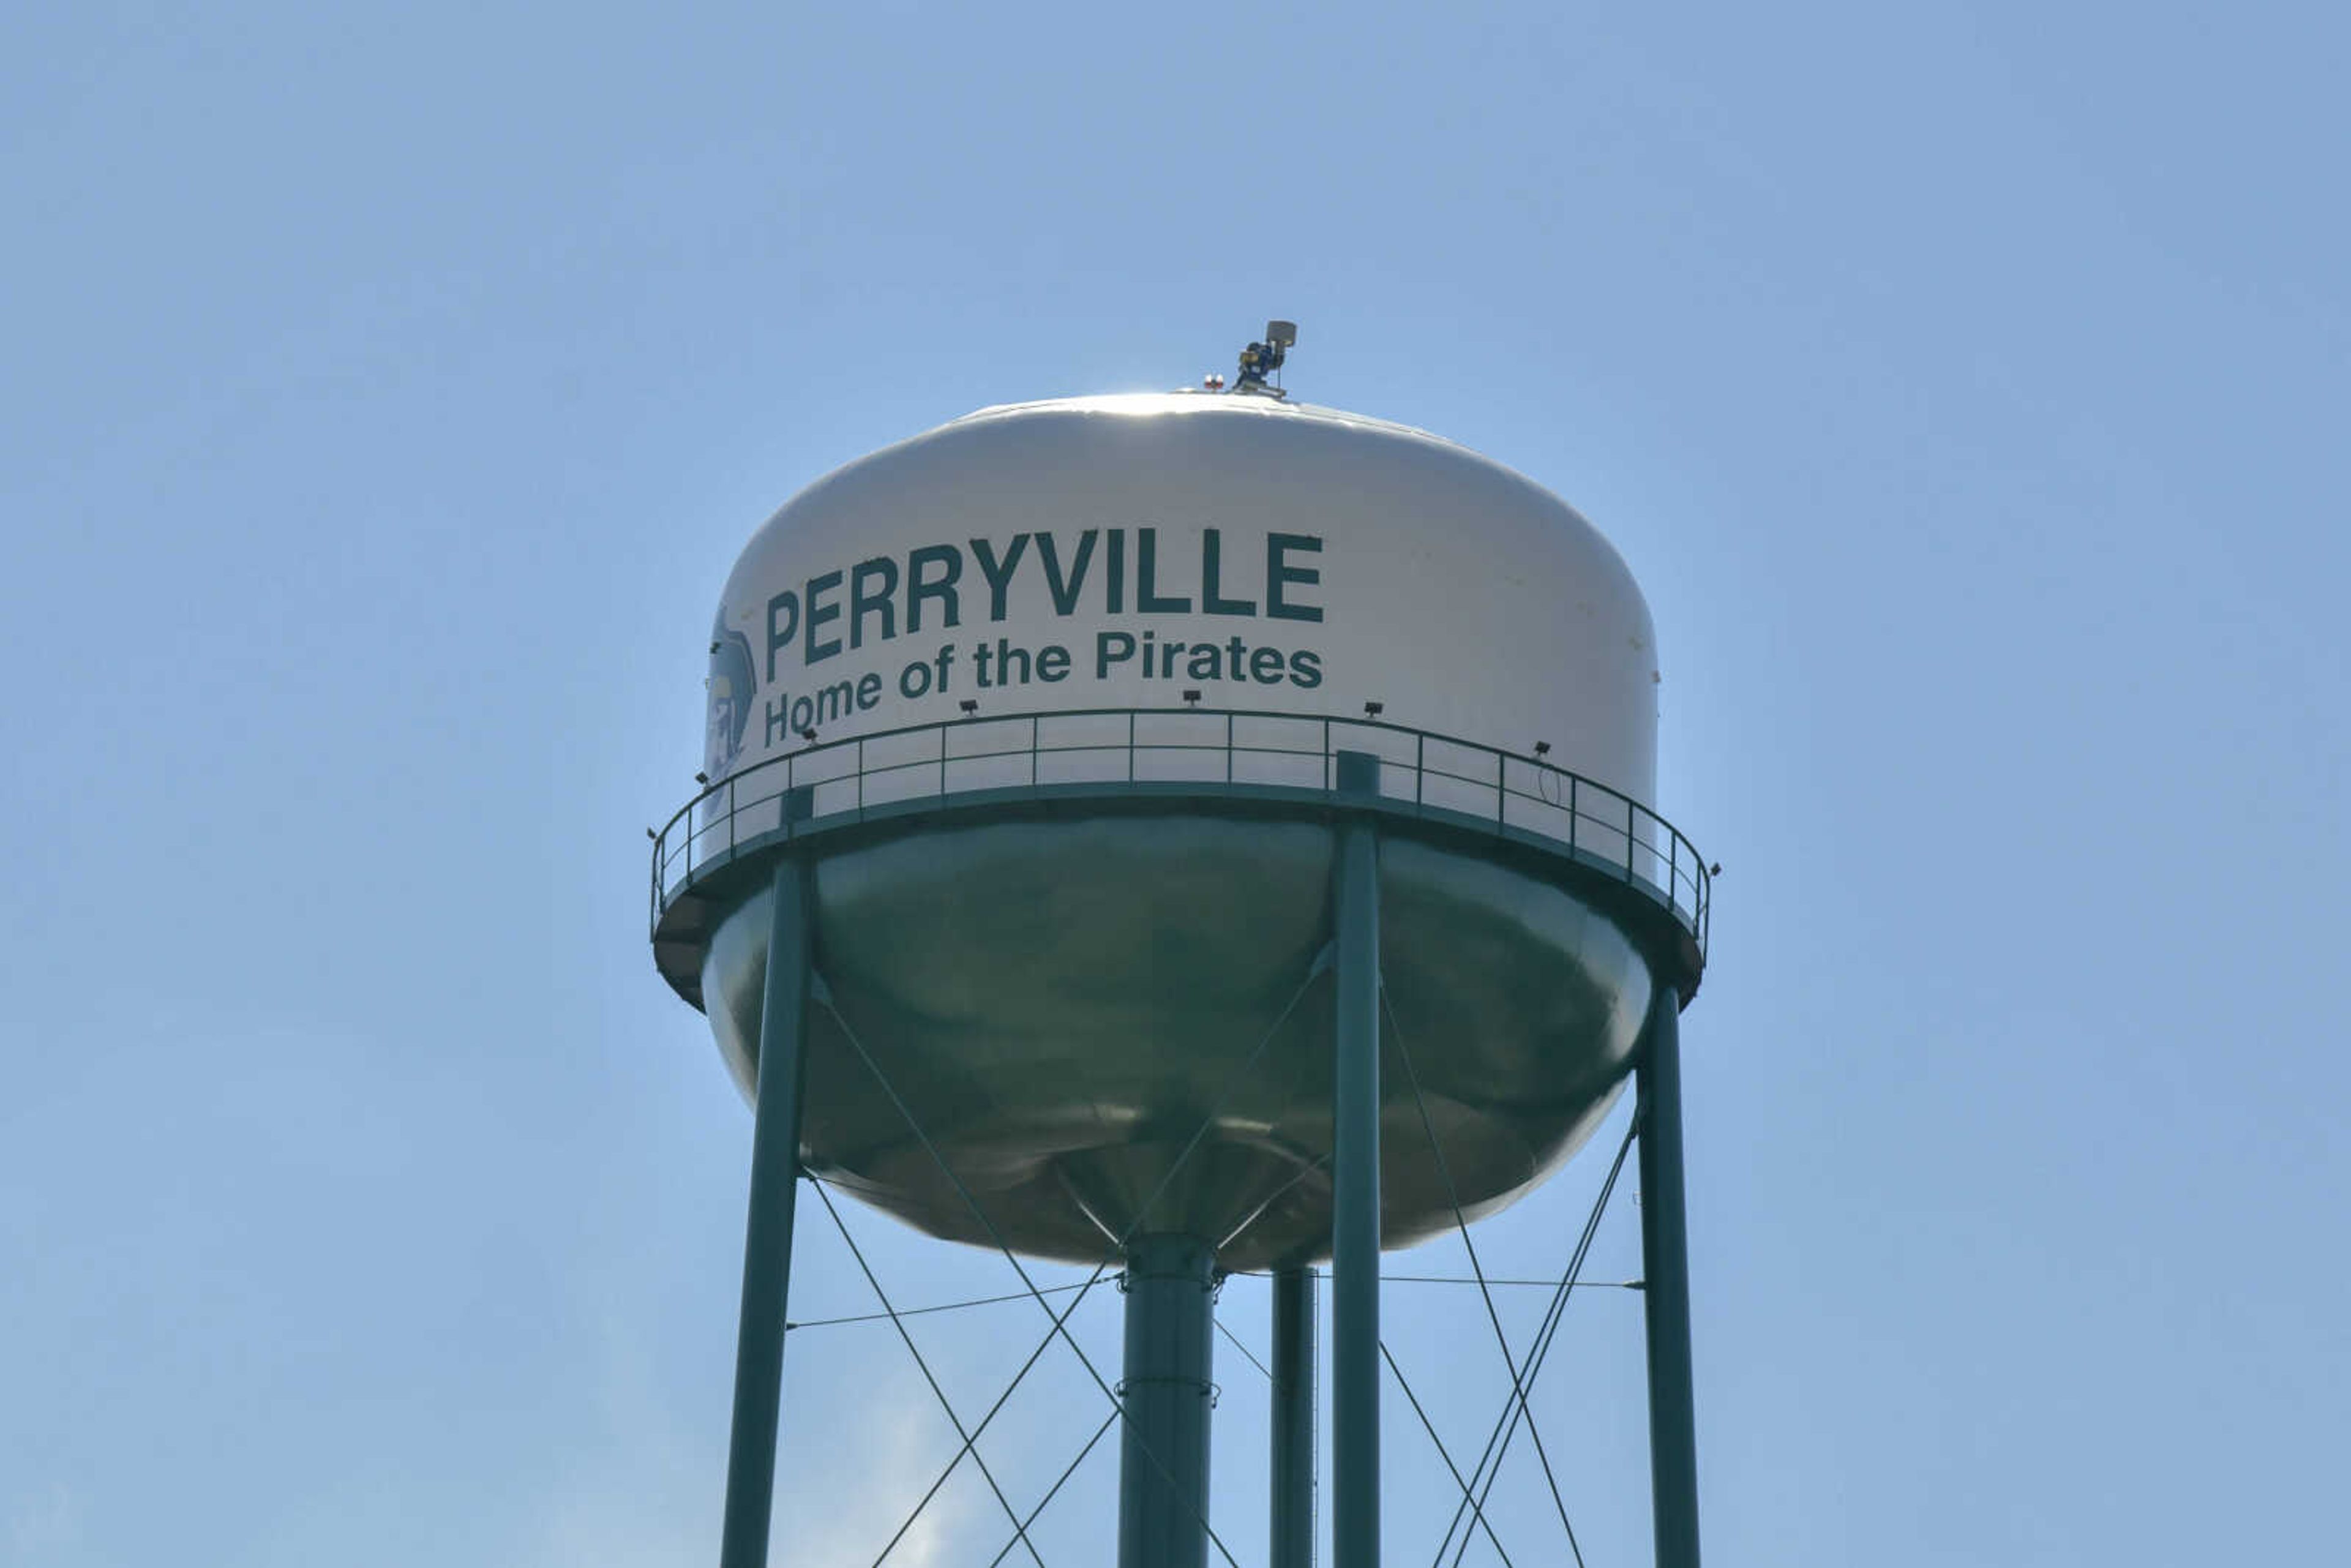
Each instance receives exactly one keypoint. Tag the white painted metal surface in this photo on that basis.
(1122, 551)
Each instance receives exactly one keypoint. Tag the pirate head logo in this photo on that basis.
(729, 685)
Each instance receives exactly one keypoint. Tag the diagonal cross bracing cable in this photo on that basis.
(1386, 1278)
(1086, 1361)
(1001, 1400)
(1549, 1336)
(1054, 1490)
(1506, 1425)
(798, 1324)
(1020, 1526)
(1059, 1328)
(1461, 1223)
(1247, 1354)
(1300, 1175)
(1467, 1496)
(1290, 1091)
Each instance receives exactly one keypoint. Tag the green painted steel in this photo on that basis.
(1039, 759)
(1167, 1392)
(1138, 942)
(768, 1239)
(1023, 957)
(1292, 1457)
(1665, 1255)
(1355, 1201)
(1059, 1005)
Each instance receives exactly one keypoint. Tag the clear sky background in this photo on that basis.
(388, 389)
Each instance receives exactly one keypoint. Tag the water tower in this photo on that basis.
(1088, 785)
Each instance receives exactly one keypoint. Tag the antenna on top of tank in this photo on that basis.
(1259, 360)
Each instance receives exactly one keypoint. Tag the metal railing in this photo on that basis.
(1172, 752)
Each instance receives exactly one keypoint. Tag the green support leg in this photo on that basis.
(1665, 1255)
(1355, 1182)
(1293, 1418)
(767, 1239)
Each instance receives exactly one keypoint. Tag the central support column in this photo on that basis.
(1293, 1418)
(1355, 1185)
(1163, 1478)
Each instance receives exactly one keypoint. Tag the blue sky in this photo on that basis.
(390, 389)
